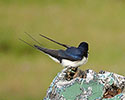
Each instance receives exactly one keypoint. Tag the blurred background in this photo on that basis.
(25, 73)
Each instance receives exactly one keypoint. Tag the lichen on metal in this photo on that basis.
(75, 84)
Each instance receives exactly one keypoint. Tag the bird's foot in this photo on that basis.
(73, 72)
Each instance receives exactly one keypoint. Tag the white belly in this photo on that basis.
(69, 63)
(56, 60)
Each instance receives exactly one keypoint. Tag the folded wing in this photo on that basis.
(59, 54)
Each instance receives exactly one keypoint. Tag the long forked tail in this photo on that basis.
(35, 46)
(26, 43)
(55, 41)
(32, 39)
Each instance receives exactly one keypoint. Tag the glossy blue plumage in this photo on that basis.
(74, 53)
(72, 56)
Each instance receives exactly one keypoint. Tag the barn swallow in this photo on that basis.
(70, 57)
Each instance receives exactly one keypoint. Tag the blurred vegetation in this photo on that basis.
(25, 73)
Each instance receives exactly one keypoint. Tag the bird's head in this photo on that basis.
(83, 46)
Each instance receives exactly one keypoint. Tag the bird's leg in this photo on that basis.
(70, 72)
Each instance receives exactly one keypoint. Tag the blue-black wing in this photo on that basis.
(59, 54)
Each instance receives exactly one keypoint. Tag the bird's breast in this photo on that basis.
(67, 63)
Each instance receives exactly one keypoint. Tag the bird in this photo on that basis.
(69, 57)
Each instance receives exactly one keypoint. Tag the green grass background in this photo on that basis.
(25, 73)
